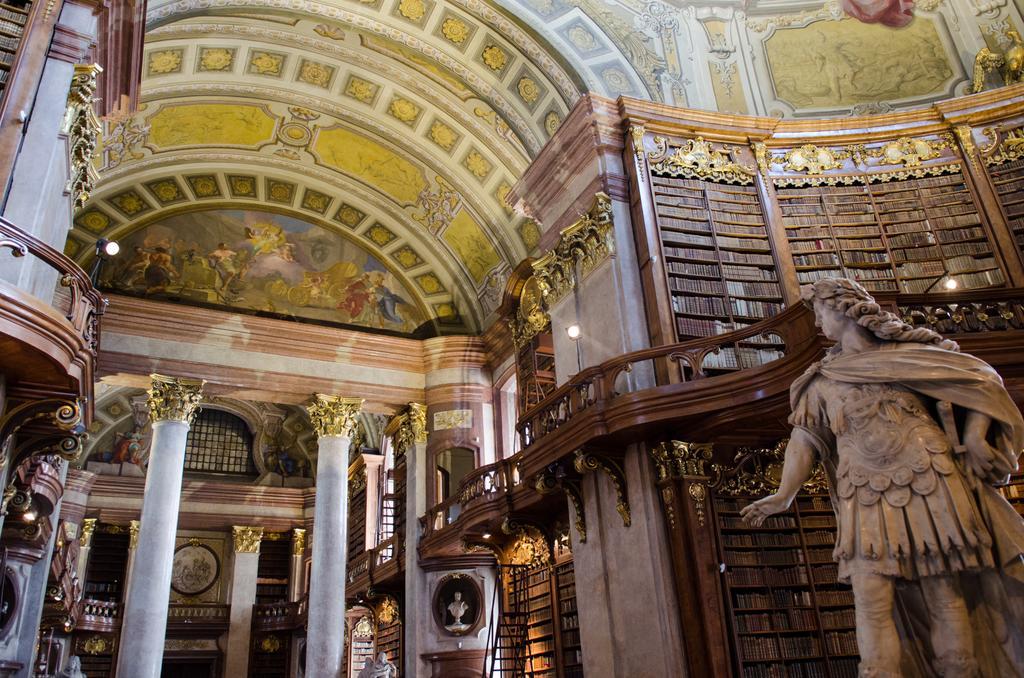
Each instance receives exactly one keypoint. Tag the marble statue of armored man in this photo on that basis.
(914, 437)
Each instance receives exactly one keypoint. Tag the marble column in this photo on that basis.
(133, 541)
(297, 568)
(84, 547)
(411, 439)
(172, 406)
(334, 420)
(242, 597)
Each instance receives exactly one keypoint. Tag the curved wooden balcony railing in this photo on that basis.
(972, 312)
(478, 489)
(199, 616)
(102, 616)
(280, 616)
(376, 565)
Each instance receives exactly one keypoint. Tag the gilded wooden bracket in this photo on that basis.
(551, 480)
(529, 546)
(477, 545)
(586, 462)
(756, 472)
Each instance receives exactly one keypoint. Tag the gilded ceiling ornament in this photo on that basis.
(830, 10)
(403, 110)
(243, 186)
(581, 38)
(494, 57)
(94, 220)
(215, 59)
(1010, 63)
(529, 231)
(412, 9)
(265, 63)
(204, 185)
(811, 159)
(166, 191)
(552, 121)
(129, 202)
(133, 534)
(332, 32)
(361, 90)
(247, 539)
(380, 235)
(316, 201)
(83, 130)
(85, 533)
(477, 164)
(907, 151)
(349, 215)
(315, 74)
(1005, 146)
(165, 61)
(174, 399)
(697, 159)
(407, 257)
(280, 192)
(334, 415)
(528, 90)
(298, 541)
(429, 283)
(443, 135)
(586, 462)
(455, 30)
(436, 209)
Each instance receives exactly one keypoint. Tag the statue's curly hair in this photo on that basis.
(848, 297)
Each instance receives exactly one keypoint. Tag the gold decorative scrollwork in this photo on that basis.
(83, 130)
(697, 159)
(761, 157)
(677, 459)
(586, 462)
(97, 645)
(85, 532)
(698, 493)
(636, 135)
(758, 472)
(1006, 145)
(334, 415)
(907, 151)
(471, 545)
(357, 481)
(408, 427)
(548, 482)
(811, 159)
(247, 539)
(133, 534)
(585, 244)
(966, 138)
(868, 178)
(529, 547)
(174, 399)
(387, 611)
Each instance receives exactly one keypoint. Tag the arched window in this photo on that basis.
(219, 442)
(452, 466)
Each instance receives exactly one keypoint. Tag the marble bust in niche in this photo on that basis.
(457, 604)
(914, 437)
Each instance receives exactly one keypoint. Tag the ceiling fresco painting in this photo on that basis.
(406, 123)
(260, 262)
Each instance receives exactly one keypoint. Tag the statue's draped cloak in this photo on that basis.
(996, 599)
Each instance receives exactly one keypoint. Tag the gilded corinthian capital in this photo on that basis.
(334, 415)
(247, 539)
(409, 427)
(174, 399)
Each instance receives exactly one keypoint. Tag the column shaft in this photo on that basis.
(243, 597)
(149, 584)
(325, 640)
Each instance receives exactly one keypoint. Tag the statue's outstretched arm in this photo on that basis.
(981, 457)
(797, 469)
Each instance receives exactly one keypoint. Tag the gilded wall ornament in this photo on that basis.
(85, 532)
(247, 539)
(811, 159)
(529, 547)
(677, 459)
(696, 158)
(1010, 63)
(586, 462)
(334, 415)
(165, 61)
(97, 645)
(83, 131)
(1006, 146)
(414, 10)
(636, 134)
(270, 644)
(298, 542)
(133, 534)
(387, 612)
(758, 471)
(174, 399)
(965, 136)
(906, 151)
(357, 481)
(528, 90)
(453, 419)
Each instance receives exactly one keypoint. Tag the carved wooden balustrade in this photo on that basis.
(477, 492)
(965, 312)
(375, 566)
(102, 616)
(198, 617)
(280, 616)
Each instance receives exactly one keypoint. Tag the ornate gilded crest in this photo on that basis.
(698, 160)
(811, 159)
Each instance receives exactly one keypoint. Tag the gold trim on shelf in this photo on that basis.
(334, 415)
(868, 177)
(908, 151)
(586, 462)
(247, 539)
(811, 159)
(697, 159)
(682, 460)
(758, 472)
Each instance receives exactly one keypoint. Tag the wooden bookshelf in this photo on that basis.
(1008, 180)
(718, 259)
(273, 570)
(789, 616)
(1014, 492)
(13, 18)
(897, 236)
(389, 641)
(357, 523)
(570, 647)
(108, 559)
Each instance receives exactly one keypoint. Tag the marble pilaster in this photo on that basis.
(296, 568)
(334, 420)
(172, 404)
(242, 597)
(411, 439)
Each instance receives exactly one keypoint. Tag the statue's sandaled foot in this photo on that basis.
(866, 670)
(957, 665)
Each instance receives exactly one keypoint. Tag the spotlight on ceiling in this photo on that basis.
(951, 284)
(574, 332)
(486, 535)
(106, 247)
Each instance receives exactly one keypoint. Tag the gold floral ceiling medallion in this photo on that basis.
(455, 30)
(698, 160)
(811, 159)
